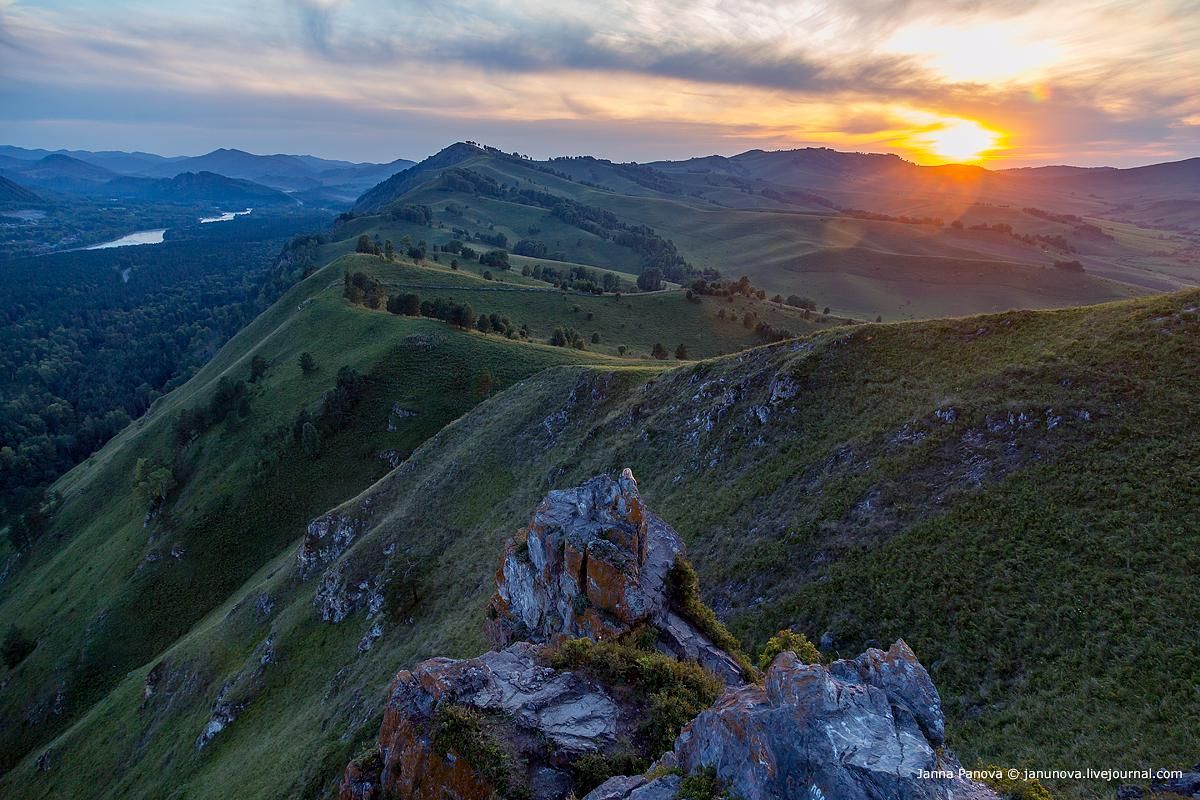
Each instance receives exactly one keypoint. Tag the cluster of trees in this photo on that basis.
(494, 238)
(230, 400)
(1053, 240)
(576, 277)
(799, 301)
(1074, 220)
(728, 289)
(858, 213)
(421, 215)
(637, 173)
(531, 247)
(333, 413)
(363, 290)
(89, 339)
(660, 352)
(461, 314)
(495, 258)
(1066, 219)
(650, 280)
(567, 337)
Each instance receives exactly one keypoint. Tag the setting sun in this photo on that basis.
(961, 140)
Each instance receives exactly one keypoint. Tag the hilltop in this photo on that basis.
(1012, 494)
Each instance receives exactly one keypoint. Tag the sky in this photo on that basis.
(1004, 83)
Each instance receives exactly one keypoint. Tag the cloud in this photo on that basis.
(1119, 79)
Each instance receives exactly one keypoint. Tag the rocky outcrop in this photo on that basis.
(854, 730)
(593, 562)
(326, 538)
(537, 719)
(1186, 784)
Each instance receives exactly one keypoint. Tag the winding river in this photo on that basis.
(155, 235)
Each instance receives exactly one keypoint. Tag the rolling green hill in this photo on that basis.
(902, 249)
(1013, 494)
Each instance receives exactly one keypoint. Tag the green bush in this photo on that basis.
(467, 733)
(683, 588)
(704, 785)
(786, 640)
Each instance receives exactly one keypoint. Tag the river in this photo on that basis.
(225, 216)
(154, 236)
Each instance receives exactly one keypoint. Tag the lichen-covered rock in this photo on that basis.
(547, 716)
(866, 728)
(593, 563)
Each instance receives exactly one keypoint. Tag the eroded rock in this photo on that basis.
(532, 704)
(326, 538)
(593, 563)
(866, 728)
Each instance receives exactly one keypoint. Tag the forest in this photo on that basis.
(89, 339)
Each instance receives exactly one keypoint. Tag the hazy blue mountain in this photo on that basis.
(196, 187)
(12, 192)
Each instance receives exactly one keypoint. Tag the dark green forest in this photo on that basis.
(89, 339)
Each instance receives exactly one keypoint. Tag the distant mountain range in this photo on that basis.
(314, 180)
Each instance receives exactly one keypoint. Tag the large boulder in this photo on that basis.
(867, 728)
(536, 718)
(593, 563)
(855, 730)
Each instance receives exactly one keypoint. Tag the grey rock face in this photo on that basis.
(574, 713)
(547, 713)
(866, 728)
(636, 787)
(327, 538)
(593, 562)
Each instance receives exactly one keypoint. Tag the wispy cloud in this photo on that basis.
(1068, 80)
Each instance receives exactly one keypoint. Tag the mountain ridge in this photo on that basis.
(880, 410)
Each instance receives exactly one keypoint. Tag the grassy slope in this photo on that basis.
(635, 320)
(103, 594)
(1041, 568)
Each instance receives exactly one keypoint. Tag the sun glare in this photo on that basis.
(961, 140)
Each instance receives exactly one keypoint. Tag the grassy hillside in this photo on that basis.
(707, 326)
(743, 221)
(108, 588)
(1015, 495)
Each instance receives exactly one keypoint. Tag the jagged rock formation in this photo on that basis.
(530, 704)
(866, 728)
(593, 562)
